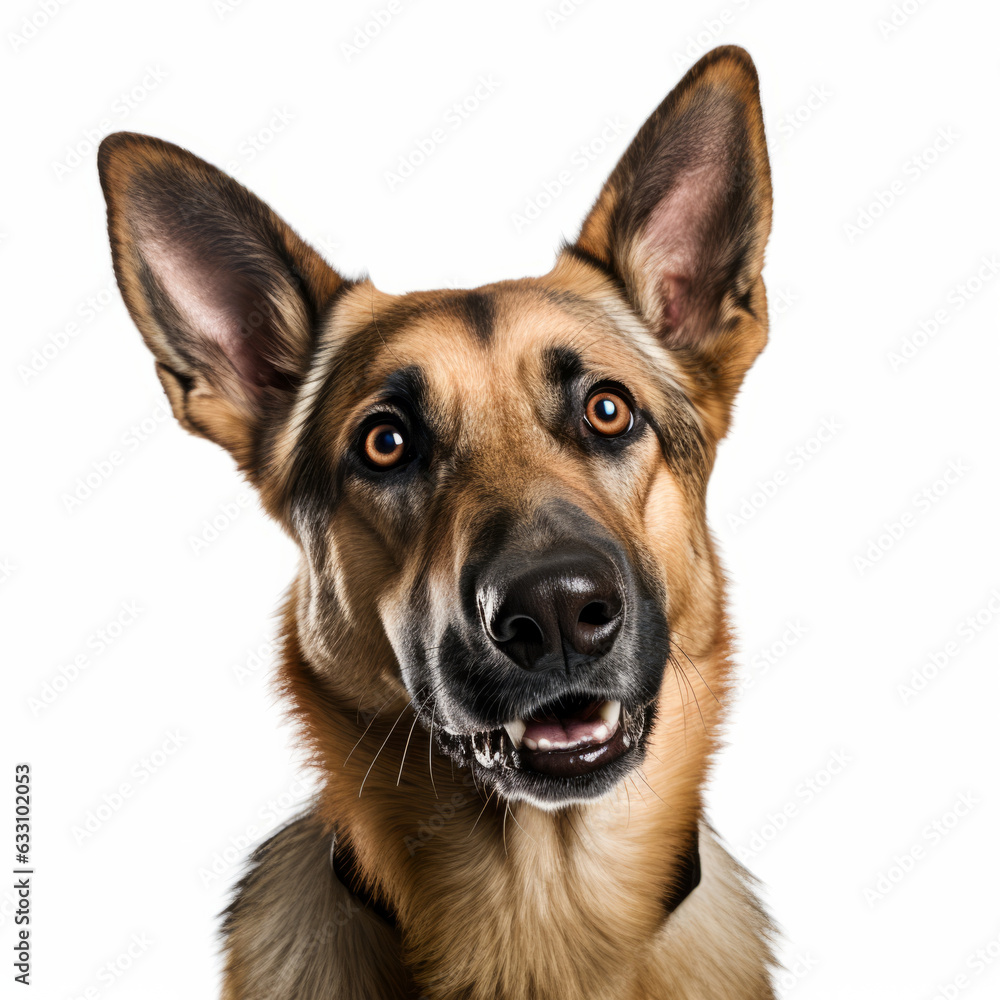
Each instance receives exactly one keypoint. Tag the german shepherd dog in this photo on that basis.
(507, 645)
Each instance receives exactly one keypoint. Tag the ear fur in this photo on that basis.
(684, 217)
(225, 294)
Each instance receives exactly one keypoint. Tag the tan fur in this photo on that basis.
(494, 903)
(215, 407)
(493, 900)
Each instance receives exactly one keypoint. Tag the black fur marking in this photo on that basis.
(562, 366)
(479, 311)
(743, 302)
(688, 876)
(316, 473)
(348, 871)
(578, 253)
(682, 442)
(406, 385)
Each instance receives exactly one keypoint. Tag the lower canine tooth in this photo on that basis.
(515, 730)
(610, 712)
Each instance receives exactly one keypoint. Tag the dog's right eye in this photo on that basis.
(384, 445)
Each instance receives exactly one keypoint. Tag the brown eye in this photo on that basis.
(385, 445)
(608, 413)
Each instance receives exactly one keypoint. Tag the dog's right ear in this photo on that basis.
(225, 294)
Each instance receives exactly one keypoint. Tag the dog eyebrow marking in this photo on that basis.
(561, 365)
(679, 435)
(406, 384)
(479, 311)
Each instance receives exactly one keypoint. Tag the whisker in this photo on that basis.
(480, 816)
(409, 736)
(650, 787)
(370, 724)
(697, 671)
(430, 752)
(638, 790)
(694, 694)
(382, 747)
(522, 829)
(569, 819)
(676, 672)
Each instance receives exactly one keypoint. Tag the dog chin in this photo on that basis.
(559, 756)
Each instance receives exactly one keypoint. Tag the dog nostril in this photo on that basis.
(595, 613)
(523, 630)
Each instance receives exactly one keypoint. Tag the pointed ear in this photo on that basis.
(225, 294)
(683, 219)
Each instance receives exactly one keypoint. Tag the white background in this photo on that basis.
(830, 734)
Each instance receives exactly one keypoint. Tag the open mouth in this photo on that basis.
(565, 740)
(573, 748)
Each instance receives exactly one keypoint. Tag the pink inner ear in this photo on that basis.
(673, 243)
(216, 307)
(195, 295)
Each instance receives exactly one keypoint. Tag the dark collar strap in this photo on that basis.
(345, 867)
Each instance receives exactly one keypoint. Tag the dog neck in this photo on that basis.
(348, 872)
(431, 852)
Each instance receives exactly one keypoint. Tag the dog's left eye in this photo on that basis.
(385, 445)
(608, 413)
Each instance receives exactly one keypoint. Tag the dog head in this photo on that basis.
(499, 493)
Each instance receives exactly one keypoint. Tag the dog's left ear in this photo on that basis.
(683, 219)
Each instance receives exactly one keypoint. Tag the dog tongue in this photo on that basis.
(561, 732)
(583, 727)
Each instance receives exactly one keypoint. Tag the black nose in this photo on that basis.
(555, 609)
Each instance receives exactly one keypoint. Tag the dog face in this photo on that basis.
(499, 493)
(499, 456)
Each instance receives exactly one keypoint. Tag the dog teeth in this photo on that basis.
(609, 715)
(610, 712)
(602, 733)
(515, 730)
(483, 749)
